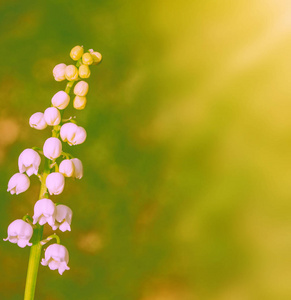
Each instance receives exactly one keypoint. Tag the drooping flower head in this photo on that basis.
(29, 161)
(52, 148)
(55, 183)
(19, 232)
(56, 258)
(37, 121)
(60, 100)
(73, 134)
(66, 167)
(52, 116)
(18, 183)
(44, 212)
(59, 72)
(78, 168)
(63, 218)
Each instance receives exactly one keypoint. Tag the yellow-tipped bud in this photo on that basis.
(87, 59)
(77, 52)
(81, 88)
(79, 102)
(71, 73)
(84, 71)
(97, 57)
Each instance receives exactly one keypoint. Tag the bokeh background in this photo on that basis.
(186, 193)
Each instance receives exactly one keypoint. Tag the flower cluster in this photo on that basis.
(58, 164)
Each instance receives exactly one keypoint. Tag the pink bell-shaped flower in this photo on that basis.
(44, 212)
(63, 218)
(18, 183)
(19, 232)
(56, 257)
(29, 161)
(55, 183)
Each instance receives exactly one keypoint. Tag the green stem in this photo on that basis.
(69, 86)
(35, 251)
(33, 263)
(27, 217)
(49, 238)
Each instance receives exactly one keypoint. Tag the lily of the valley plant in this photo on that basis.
(28, 231)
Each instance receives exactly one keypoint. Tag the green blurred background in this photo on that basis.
(186, 193)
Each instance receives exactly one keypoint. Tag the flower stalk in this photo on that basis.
(33, 263)
(35, 251)
(58, 216)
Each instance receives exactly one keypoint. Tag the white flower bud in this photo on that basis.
(78, 168)
(55, 182)
(18, 183)
(52, 148)
(60, 100)
(56, 257)
(37, 121)
(66, 168)
(81, 88)
(29, 161)
(63, 218)
(19, 232)
(44, 212)
(52, 116)
(59, 72)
